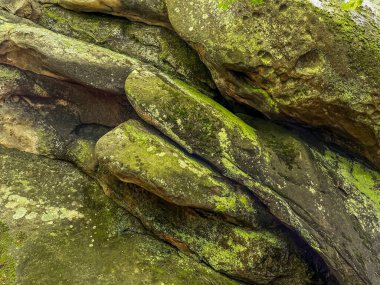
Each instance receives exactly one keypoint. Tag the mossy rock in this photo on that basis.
(310, 61)
(296, 181)
(44, 52)
(260, 257)
(58, 227)
(134, 153)
(157, 46)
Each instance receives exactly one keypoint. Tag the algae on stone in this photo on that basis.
(154, 45)
(72, 233)
(134, 153)
(294, 180)
(255, 256)
(313, 63)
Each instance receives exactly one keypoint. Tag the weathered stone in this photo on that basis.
(22, 8)
(262, 257)
(44, 52)
(136, 154)
(57, 227)
(300, 184)
(147, 11)
(151, 44)
(42, 115)
(312, 61)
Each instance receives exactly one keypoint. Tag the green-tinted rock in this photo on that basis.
(43, 115)
(297, 182)
(261, 257)
(58, 227)
(148, 11)
(134, 153)
(315, 64)
(29, 47)
(151, 44)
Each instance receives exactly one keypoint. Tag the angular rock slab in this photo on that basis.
(30, 47)
(58, 227)
(261, 257)
(312, 61)
(148, 11)
(151, 44)
(134, 153)
(300, 184)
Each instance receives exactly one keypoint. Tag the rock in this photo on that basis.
(147, 11)
(261, 257)
(22, 8)
(57, 227)
(151, 44)
(309, 61)
(301, 184)
(43, 115)
(135, 154)
(29, 47)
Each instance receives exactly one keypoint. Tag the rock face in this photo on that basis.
(144, 101)
(296, 182)
(55, 218)
(313, 63)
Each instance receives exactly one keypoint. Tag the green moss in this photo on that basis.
(82, 152)
(365, 180)
(9, 73)
(351, 4)
(225, 4)
(7, 262)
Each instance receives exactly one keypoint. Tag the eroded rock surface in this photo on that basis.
(57, 227)
(300, 184)
(210, 197)
(314, 64)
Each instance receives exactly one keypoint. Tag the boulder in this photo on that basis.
(134, 153)
(302, 185)
(308, 61)
(258, 257)
(57, 227)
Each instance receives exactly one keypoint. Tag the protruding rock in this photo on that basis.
(311, 61)
(262, 257)
(36, 49)
(151, 44)
(57, 226)
(134, 153)
(299, 184)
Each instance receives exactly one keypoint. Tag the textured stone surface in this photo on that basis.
(36, 49)
(43, 115)
(148, 11)
(301, 185)
(57, 227)
(314, 64)
(151, 44)
(261, 257)
(134, 153)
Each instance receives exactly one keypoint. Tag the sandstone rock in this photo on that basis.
(29, 47)
(135, 154)
(262, 257)
(42, 115)
(313, 63)
(57, 227)
(151, 44)
(147, 11)
(301, 185)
